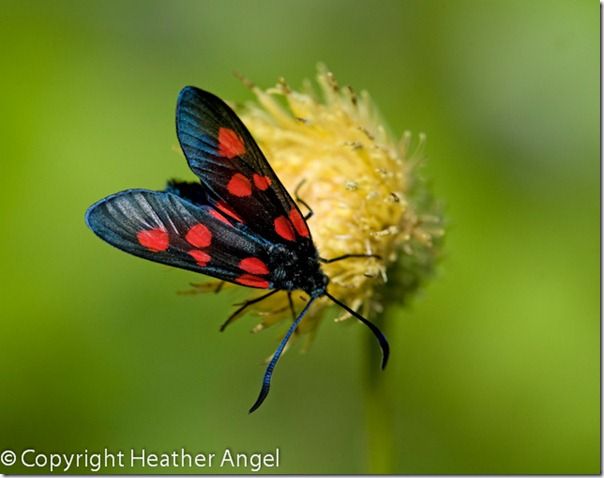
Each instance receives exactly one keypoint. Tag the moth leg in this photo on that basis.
(219, 287)
(246, 304)
(302, 201)
(291, 307)
(202, 288)
(347, 256)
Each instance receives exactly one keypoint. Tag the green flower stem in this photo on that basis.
(378, 416)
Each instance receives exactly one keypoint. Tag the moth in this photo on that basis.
(237, 224)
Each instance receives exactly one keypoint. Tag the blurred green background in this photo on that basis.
(495, 365)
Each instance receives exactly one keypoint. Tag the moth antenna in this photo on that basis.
(377, 332)
(266, 382)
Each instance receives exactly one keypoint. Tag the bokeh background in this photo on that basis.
(495, 365)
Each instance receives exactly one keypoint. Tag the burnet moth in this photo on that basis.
(237, 224)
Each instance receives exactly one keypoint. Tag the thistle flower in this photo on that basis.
(332, 150)
(363, 187)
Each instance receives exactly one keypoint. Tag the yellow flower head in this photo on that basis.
(361, 184)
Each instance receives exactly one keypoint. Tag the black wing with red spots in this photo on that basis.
(172, 227)
(224, 155)
(239, 225)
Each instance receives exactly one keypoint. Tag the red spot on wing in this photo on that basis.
(239, 186)
(215, 214)
(228, 211)
(156, 240)
(199, 236)
(262, 182)
(200, 257)
(253, 265)
(252, 281)
(299, 223)
(284, 228)
(230, 143)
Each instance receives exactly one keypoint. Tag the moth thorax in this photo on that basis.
(316, 284)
